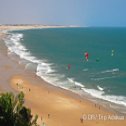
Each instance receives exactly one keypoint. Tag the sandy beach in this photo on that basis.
(54, 106)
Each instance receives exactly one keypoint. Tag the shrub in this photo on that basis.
(13, 112)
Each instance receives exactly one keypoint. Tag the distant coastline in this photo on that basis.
(32, 26)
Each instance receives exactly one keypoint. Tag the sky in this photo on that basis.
(102, 13)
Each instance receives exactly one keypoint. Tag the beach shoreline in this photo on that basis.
(60, 107)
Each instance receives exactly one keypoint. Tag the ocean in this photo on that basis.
(58, 56)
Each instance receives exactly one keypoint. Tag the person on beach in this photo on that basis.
(48, 116)
(99, 107)
(95, 105)
(29, 89)
(81, 119)
(41, 118)
(86, 55)
(17, 84)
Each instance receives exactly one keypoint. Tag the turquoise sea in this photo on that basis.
(57, 56)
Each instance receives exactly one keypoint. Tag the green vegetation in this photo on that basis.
(13, 112)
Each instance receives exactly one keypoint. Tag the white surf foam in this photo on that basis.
(75, 83)
(44, 69)
(120, 100)
(110, 71)
(85, 70)
(100, 88)
(103, 78)
(71, 80)
(79, 84)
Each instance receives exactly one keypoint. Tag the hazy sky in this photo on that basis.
(64, 12)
